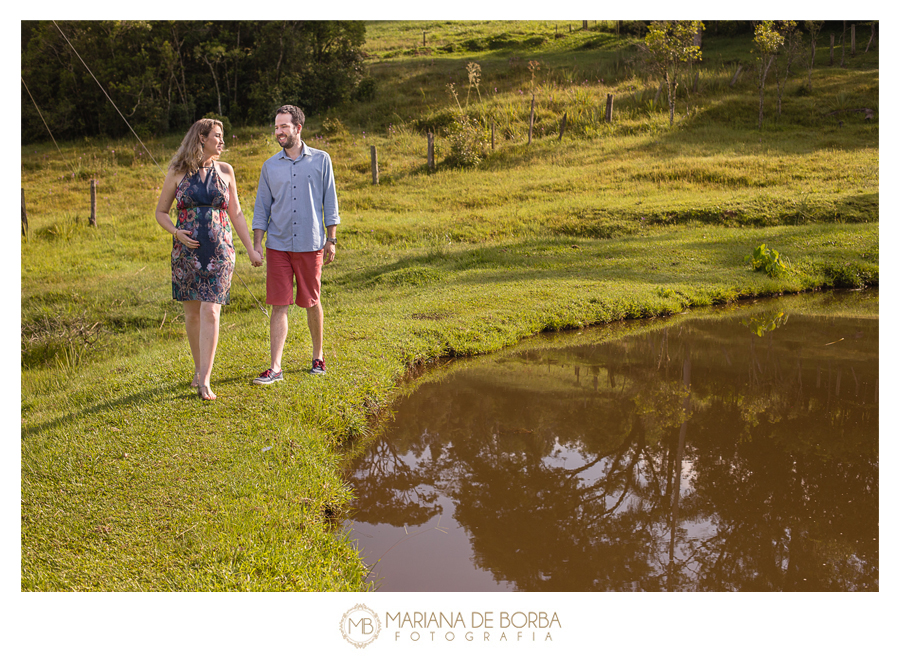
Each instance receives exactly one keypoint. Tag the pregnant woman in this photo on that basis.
(205, 193)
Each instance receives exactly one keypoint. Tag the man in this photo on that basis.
(296, 205)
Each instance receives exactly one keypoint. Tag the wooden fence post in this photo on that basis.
(531, 120)
(431, 151)
(871, 38)
(843, 43)
(831, 55)
(24, 217)
(93, 202)
(374, 166)
(492, 135)
(853, 40)
(562, 125)
(609, 107)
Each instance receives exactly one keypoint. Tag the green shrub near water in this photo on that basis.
(766, 259)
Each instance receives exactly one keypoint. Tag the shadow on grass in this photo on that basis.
(801, 129)
(179, 392)
(153, 395)
(651, 259)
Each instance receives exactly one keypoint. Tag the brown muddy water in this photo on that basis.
(729, 450)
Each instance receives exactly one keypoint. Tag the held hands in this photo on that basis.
(260, 255)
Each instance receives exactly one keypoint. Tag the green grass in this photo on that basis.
(130, 483)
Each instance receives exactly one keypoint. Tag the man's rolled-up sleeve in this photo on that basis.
(330, 213)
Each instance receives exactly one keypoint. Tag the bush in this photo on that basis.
(365, 90)
(226, 124)
(333, 127)
(437, 122)
(468, 142)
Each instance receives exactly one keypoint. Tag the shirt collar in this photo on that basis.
(303, 151)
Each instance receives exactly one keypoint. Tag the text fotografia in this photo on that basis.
(481, 626)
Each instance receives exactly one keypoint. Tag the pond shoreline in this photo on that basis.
(424, 369)
(839, 306)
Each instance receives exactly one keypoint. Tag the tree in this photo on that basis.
(667, 47)
(793, 43)
(212, 54)
(813, 27)
(313, 64)
(767, 41)
(163, 75)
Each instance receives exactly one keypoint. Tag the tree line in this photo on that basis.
(777, 45)
(164, 75)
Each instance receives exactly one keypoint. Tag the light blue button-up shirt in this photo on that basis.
(296, 200)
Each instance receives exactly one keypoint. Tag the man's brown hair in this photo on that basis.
(297, 116)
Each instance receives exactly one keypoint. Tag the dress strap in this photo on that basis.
(219, 176)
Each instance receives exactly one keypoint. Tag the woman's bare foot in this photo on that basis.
(196, 381)
(205, 393)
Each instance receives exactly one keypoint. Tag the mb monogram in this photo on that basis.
(360, 626)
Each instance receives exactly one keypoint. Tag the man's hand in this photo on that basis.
(328, 256)
(261, 253)
(255, 257)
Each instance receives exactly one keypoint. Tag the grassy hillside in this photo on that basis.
(129, 482)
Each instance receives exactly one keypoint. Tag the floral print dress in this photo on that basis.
(204, 273)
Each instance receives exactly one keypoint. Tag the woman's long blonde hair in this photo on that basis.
(189, 156)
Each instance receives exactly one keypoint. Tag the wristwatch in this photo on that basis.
(331, 240)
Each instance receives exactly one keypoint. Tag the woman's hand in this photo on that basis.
(255, 258)
(184, 237)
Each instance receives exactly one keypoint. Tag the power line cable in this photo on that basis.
(107, 96)
(46, 126)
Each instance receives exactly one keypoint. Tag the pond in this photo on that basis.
(733, 449)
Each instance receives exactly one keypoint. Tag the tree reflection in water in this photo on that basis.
(706, 455)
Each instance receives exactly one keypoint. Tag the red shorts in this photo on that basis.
(282, 267)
